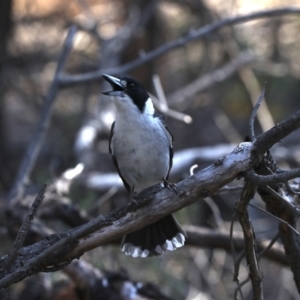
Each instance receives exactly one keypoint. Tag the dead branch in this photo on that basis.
(57, 251)
(35, 145)
(253, 114)
(192, 36)
(184, 96)
(153, 204)
(211, 238)
(271, 179)
(250, 240)
(25, 227)
(267, 140)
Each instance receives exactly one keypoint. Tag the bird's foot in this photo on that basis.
(170, 185)
(133, 201)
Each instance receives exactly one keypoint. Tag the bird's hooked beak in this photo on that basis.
(116, 84)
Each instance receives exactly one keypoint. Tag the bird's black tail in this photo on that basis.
(154, 239)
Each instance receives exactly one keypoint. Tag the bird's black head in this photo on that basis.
(127, 85)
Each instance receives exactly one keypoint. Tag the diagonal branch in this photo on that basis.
(35, 145)
(25, 227)
(271, 179)
(192, 36)
(153, 204)
(268, 139)
(184, 96)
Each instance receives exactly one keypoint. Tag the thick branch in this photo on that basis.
(164, 202)
(153, 204)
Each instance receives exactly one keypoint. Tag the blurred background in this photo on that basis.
(210, 85)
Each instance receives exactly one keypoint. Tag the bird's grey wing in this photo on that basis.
(111, 151)
(171, 141)
(162, 119)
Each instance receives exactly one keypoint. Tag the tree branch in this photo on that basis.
(35, 145)
(271, 179)
(204, 237)
(183, 97)
(193, 35)
(249, 236)
(25, 227)
(253, 115)
(153, 204)
(268, 139)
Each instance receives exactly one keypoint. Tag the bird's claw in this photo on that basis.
(170, 185)
(133, 201)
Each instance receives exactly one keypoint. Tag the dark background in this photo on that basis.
(31, 38)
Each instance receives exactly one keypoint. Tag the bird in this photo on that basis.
(142, 150)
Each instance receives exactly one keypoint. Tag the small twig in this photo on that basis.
(270, 245)
(25, 227)
(38, 137)
(271, 179)
(160, 93)
(238, 263)
(184, 96)
(235, 275)
(250, 241)
(272, 242)
(216, 213)
(170, 112)
(241, 285)
(231, 239)
(274, 217)
(253, 114)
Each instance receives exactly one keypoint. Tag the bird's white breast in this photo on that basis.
(141, 146)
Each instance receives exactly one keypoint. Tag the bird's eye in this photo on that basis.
(130, 85)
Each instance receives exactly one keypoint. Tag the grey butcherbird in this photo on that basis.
(142, 150)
